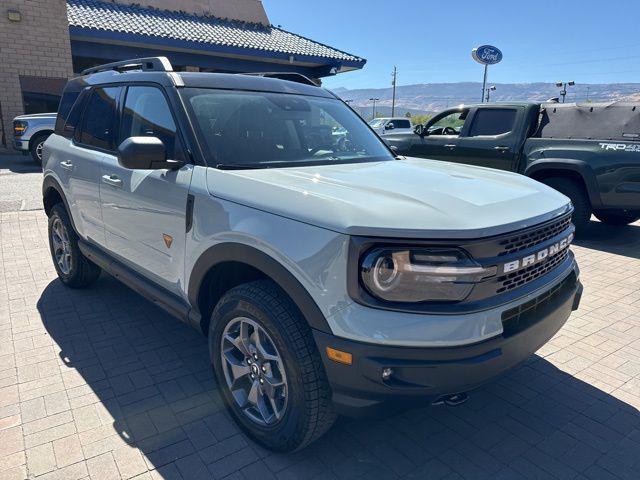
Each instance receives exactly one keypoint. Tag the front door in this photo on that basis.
(440, 136)
(144, 211)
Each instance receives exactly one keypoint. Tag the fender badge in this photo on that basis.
(168, 240)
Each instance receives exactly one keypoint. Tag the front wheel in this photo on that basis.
(35, 147)
(618, 218)
(581, 204)
(268, 367)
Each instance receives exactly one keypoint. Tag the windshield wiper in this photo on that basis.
(240, 166)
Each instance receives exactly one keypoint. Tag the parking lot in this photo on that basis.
(100, 383)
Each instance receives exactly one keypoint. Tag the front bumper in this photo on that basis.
(426, 374)
(20, 144)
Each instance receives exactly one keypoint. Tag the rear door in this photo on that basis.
(440, 138)
(144, 211)
(83, 161)
(492, 137)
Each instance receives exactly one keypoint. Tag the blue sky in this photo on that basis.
(431, 41)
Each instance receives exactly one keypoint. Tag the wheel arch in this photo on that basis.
(576, 170)
(52, 194)
(227, 265)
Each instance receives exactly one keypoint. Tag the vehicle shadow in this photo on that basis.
(18, 163)
(619, 240)
(149, 379)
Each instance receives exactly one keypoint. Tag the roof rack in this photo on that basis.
(291, 76)
(149, 64)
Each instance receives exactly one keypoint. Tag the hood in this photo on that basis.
(36, 115)
(410, 198)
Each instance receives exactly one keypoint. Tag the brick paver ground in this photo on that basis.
(100, 383)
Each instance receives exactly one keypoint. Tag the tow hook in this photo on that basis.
(452, 400)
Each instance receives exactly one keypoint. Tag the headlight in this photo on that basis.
(19, 128)
(412, 275)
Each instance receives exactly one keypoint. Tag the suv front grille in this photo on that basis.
(526, 275)
(526, 315)
(533, 237)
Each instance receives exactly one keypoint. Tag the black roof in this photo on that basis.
(229, 81)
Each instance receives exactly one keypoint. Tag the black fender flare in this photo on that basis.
(50, 182)
(237, 252)
(579, 167)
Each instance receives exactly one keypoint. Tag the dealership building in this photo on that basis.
(45, 42)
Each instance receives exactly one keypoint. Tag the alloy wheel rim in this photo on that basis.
(254, 371)
(61, 246)
(39, 150)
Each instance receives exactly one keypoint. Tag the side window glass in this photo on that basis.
(67, 101)
(147, 114)
(493, 121)
(99, 116)
(450, 124)
(401, 124)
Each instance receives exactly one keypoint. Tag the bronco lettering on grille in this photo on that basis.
(537, 257)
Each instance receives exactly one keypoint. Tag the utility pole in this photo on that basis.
(393, 83)
(374, 100)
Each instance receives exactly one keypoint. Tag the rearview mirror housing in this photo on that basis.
(145, 153)
(389, 126)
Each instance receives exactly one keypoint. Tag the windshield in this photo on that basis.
(263, 129)
(376, 122)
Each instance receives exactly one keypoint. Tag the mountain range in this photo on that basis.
(433, 97)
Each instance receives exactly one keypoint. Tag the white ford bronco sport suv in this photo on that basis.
(328, 275)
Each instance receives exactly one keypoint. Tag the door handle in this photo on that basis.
(502, 148)
(67, 165)
(450, 146)
(112, 180)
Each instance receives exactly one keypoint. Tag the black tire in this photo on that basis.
(35, 147)
(81, 271)
(308, 414)
(617, 218)
(581, 204)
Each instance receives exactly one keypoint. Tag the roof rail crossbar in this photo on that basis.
(149, 64)
(291, 76)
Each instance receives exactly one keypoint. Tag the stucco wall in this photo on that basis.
(246, 10)
(38, 46)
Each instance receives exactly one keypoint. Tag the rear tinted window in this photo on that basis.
(493, 121)
(67, 101)
(401, 123)
(99, 116)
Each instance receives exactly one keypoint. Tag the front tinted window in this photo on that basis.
(147, 114)
(493, 121)
(99, 118)
(267, 129)
(450, 124)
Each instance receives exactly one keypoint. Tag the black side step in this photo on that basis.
(166, 300)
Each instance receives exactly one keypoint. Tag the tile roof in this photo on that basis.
(133, 19)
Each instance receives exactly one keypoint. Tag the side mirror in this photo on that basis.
(419, 130)
(145, 153)
(389, 126)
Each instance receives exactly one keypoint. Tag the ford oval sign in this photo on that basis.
(487, 55)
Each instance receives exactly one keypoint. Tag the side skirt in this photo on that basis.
(166, 300)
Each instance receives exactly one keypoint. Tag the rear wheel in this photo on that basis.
(35, 147)
(581, 204)
(73, 268)
(268, 367)
(617, 217)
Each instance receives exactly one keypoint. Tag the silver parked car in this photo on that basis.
(31, 131)
(328, 275)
